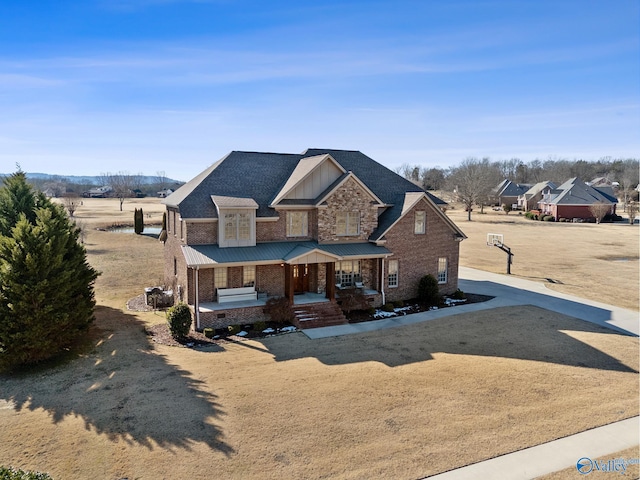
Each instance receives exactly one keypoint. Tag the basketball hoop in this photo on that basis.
(495, 239)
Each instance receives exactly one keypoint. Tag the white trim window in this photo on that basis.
(249, 276)
(237, 228)
(220, 277)
(347, 223)
(297, 224)
(442, 270)
(420, 222)
(348, 273)
(392, 274)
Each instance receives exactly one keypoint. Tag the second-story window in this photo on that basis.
(297, 224)
(347, 223)
(420, 222)
(237, 226)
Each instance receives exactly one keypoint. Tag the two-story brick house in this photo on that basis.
(303, 226)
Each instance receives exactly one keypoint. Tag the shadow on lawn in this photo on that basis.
(123, 390)
(532, 334)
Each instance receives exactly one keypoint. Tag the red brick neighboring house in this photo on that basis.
(303, 226)
(574, 199)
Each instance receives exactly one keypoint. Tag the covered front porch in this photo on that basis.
(298, 299)
(244, 278)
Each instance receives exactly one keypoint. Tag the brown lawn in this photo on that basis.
(401, 403)
(598, 262)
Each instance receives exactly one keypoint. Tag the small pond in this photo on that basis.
(152, 231)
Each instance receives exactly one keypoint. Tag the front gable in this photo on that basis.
(311, 177)
(350, 201)
(408, 205)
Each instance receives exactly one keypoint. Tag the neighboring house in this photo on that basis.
(602, 182)
(507, 192)
(529, 199)
(164, 193)
(305, 227)
(574, 199)
(98, 192)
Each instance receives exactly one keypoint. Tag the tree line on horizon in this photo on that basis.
(140, 184)
(473, 181)
(625, 171)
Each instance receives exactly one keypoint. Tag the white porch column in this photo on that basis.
(382, 279)
(197, 270)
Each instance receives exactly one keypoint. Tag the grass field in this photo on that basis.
(599, 262)
(403, 403)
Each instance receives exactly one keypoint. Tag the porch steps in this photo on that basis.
(315, 315)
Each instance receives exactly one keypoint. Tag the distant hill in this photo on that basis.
(91, 180)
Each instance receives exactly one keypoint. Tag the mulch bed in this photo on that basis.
(413, 306)
(160, 333)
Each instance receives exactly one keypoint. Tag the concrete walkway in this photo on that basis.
(510, 291)
(554, 456)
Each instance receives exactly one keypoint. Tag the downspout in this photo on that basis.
(197, 298)
(382, 282)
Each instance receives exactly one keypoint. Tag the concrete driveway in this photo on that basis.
(508, 291)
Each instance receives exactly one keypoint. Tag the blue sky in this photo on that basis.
(94, 86)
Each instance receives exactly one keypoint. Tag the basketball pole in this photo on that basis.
(507, 250)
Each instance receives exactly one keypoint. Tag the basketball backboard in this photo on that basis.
(494, 239)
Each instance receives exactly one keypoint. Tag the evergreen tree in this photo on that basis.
(163, 232)
(46, 284)
(16, 198)
(141, 220)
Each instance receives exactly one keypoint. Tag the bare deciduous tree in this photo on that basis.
(71, 202)
(599, 210)
(162, 178)
(628, 179)
(632, 211)
(122, 184)
(472, 182)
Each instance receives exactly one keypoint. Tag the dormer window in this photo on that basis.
(236, 221)
(237, 226)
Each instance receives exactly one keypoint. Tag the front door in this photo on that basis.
(300, 278)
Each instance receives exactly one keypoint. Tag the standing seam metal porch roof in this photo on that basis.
(209, 256)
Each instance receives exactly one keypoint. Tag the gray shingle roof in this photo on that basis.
(575, 192)
(261, 176)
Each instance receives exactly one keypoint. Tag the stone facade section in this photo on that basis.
(349, 197)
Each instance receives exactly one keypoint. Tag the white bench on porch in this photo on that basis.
(226, 295)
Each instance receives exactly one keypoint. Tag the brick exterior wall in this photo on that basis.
(271, 231)
(270, 280)
(232, 316)
(418, 255)
(201, 233)
(175, 267)
(277, 231)
(349, 197)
